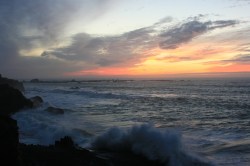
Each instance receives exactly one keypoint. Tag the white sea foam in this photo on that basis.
(37, 126)
(165, 146)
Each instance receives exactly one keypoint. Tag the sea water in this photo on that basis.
(176, 120)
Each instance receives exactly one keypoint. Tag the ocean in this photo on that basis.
(207, 120)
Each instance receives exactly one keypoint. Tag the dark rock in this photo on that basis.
(35, 80)
(65, 142)
(75, 87)
(36, 101)
(128, 159)
(12, 100)
(65, 153)
(53, 155)
(8, 141)
(55, 110)
(13, 83)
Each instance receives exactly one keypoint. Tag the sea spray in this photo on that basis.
(37, 126)
(164, 146)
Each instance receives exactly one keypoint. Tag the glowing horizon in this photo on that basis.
(195, 57)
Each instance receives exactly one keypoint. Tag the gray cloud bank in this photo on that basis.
(239, 59)
(187, 31)
(30, 24)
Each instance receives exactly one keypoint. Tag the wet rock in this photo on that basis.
(55, 110)
(13, 83)
(12, 100)
(8, 141)
(128, 159)
(75, 87)
(59, 154)
(65, 153)
(36, 101)
(65, 142)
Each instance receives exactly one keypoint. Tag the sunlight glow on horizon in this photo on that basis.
(195, 57)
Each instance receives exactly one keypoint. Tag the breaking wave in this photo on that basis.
(145, 140)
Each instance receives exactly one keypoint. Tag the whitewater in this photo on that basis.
(182, 122)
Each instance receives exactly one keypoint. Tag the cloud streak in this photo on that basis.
(174, 37)
(239, 59)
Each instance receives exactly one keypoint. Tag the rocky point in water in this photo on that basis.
(54, 110)
(37, 101)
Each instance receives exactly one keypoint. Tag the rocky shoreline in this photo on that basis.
(64, 152)
(13, 83)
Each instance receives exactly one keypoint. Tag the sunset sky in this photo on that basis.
(123, 38)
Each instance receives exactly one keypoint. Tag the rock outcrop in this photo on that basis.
(54, 110)
(36, 101)
(12, 100)
(65, 153)
(8, 141)
(13, 83)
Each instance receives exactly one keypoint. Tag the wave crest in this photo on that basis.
(165, 146)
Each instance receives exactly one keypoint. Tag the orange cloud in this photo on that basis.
(202, 54)
(191, 58)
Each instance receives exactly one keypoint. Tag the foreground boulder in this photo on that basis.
(8, 141)
(63, 153)
(12, 100)
(65, 142)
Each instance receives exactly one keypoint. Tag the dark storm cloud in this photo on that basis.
(41, 21)
(110, 50)
(38, 18)
(174, 37)
(29, 24)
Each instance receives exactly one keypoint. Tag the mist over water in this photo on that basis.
(205, 118)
